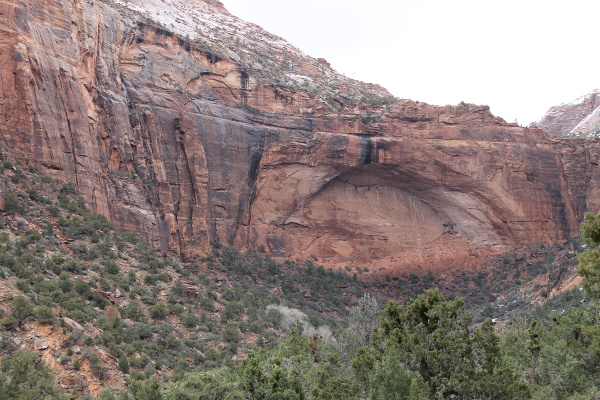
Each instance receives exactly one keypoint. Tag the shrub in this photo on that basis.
(176, 309)
(231, 333)
(47, 227)
(95, 238)
(9, 323)
(45, 315)
(159, 311)
(55, 212)
(189, 320)
(206, 303)
(74, 266)
(123, 364)
(111, 267)
(178, 291)
(67, 188)
(134, 312)
(150, 279)
(274, 317)
(172, 342)
(148, 299)
(95, 366)
(249, 108)
(82, 287)
(34, 195)
(17, 176)
(80, 316)
(65, 284)
(64, 360)
(22, 285)
(13, 205)
(25, 376)
(21, 308)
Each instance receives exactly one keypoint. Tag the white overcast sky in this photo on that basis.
(520, 57)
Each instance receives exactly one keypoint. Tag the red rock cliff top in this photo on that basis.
(260, 53)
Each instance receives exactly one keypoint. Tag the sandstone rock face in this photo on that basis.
(371, 196)
(579, 117)
(187, 147)
(72, 325)
(112, 312)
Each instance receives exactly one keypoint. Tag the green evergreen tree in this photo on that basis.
(24, 376)
(391, 380)
(217, 384)
(45, 315)
(493, 377)
(432, 336)
(148, 390)
(589, 269)
(589, 261)
(21, 308)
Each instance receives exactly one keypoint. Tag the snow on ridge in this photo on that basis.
(581, 99)
(194, 19)
(590, 124)
(556, 111)
(300, 78)
(262, 54)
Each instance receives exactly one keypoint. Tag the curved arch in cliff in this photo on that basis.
(372, 211)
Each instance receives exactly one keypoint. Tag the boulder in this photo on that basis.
(112, 312)
(40, 343)
(72, 325)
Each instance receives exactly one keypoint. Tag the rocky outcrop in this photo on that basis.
(581, 117)
(187, 147)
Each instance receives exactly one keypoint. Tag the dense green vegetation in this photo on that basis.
(238, 325)
(24, 377)
(589, 261)
(424, 350)
(59, 261)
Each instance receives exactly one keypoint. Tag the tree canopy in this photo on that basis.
(589, 261)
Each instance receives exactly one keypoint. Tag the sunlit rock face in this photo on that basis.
(363, 197)
(169, 139)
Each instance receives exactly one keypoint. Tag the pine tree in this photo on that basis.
(589, 261)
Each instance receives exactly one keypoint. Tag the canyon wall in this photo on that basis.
(187, 147)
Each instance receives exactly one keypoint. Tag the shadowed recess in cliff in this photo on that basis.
(373, 211)
(257, 139)
(366, 150)
(371, 149)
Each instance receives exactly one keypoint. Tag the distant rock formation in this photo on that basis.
(579, 118)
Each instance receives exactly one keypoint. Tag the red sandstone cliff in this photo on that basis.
(183, 139)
